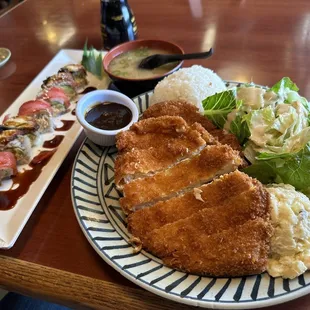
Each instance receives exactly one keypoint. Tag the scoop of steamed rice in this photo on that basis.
(190, 84)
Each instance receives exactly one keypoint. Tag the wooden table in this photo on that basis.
(253, 40)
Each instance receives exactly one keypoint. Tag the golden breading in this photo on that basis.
(149, 152)
(246, 206)
(191, 115)
(179, 108)
(154, 132)
(214, 160)
(238, 251)
(224, 189)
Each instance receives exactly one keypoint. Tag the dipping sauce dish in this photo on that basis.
(105, 113)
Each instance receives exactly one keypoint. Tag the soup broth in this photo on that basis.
(126, 65)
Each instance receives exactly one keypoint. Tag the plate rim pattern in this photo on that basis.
(96, 156)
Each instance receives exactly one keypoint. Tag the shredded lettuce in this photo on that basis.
(272, 125)
(92, 61)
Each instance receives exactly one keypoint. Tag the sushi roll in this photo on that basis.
(8, 165)
(27, 124)
(16, 142)
(79, 74)
(58, 99)
(63, 80)
(42, 111)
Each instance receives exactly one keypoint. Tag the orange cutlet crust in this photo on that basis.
(191, 115)
(222, 190)
(246, 206)
(212, 161)
(179, 108)
(151, 152)
(143, 133)
(238, 251)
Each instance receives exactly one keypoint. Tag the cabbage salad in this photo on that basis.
(272, 125)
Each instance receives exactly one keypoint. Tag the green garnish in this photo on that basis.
(91, 62)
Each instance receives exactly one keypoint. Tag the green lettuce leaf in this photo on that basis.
(284, 84)
(92, 61)
(217, 107)
(283, 168)
(240, 129)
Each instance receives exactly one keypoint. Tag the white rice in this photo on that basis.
(190, 84)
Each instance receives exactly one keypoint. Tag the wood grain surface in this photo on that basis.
(75, 291)
(253, 40)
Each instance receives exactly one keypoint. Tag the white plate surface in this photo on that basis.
(95, 202)
(12, 221)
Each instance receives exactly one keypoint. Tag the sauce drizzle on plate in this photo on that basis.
(24, 180)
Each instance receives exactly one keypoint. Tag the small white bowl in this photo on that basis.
(100, 136)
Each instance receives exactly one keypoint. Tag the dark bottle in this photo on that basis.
(118, 23)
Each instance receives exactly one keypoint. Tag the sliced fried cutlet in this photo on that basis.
(238, 251)
(179, 108)
(175, 144)
(214, 160)
(246, 206)
(191, 115)
(225, 189)
(155, 132)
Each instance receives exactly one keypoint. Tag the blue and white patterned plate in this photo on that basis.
(95, 202)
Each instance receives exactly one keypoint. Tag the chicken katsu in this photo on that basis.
(238, 251)
(226, 189)
(156, 144)
(243, 207)
(191, 115)
(212, 161)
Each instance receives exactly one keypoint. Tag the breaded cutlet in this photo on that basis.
(246, 206)
(238, 251)
(153, 150)
(191, 115)
(225, 189)
(179, 108)
(213, 161)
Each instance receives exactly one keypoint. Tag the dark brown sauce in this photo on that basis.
(66, 125)
(73, 112)
(50, 144)
(109, 116)
(88, 90)
(8, 199)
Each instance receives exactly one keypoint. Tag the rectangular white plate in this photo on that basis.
(13, 221)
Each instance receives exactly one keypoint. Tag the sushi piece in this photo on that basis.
(41, 110)
(63, 80)
(79, 74)
(27, 124)
(8, 165)
(58, 99)
(16, 142)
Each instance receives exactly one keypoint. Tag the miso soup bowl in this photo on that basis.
(100, 136)
(127, 84)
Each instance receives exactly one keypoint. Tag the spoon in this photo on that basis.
(5, 55)
(157, 60)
